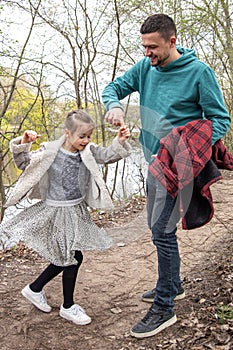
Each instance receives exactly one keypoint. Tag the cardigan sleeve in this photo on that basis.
(111, 154)
(20, 152)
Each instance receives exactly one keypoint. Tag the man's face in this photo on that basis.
(158, 49)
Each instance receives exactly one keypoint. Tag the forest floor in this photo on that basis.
(110, 284)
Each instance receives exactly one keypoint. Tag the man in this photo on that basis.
(175, 88)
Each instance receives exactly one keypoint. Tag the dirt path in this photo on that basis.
(110, 285)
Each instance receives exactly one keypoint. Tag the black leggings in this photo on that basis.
(69, 277)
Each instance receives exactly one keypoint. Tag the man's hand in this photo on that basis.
(29, 136)
(115, 116)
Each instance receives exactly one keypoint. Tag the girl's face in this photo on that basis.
(78, 139)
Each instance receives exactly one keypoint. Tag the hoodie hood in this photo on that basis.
(187, 56)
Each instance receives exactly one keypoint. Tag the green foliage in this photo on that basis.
(228, 140)
(24, 109)
(29, 111)
(225, 313)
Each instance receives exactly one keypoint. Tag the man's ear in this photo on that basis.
(173, 41)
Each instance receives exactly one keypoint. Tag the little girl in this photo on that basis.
(65, 176)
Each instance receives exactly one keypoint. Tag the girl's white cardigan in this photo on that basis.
(33, 182)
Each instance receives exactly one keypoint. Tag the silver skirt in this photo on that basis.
(56, 232)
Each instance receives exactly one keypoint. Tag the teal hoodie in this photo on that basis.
(171, 96)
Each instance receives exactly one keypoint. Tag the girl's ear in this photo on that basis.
(66, 132)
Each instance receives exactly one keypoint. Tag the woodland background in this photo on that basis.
(57, 55)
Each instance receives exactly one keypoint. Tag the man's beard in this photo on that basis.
(160, 62)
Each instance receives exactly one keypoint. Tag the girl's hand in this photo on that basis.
(29, 136)
(123, 134)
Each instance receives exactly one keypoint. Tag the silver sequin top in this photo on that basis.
(63, 177)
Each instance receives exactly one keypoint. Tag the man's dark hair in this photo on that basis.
(160, 23)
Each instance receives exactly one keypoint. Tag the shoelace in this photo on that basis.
(43, 298)
(149, 314)
(77, 309)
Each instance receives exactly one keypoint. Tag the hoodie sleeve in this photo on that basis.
(121, 87)
(213, 105)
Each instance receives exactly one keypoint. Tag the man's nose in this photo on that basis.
(147, 51)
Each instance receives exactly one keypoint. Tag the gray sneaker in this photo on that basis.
(75, 314)
(154, 322)
(150, 295)
(37, 299)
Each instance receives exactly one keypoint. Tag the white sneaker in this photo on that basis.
(37, 299)
(75, 314)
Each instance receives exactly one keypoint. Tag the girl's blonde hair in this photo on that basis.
(75, 116)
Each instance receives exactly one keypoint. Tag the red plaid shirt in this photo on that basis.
(186, 157)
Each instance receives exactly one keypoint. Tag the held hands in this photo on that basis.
(123, 134)
(29, 136)
(115, 116)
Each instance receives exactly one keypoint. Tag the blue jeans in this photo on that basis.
(163, 216)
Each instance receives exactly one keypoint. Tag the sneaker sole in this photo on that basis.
(24, 293)
(178, 297)
(166, 324)
(81, 323)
